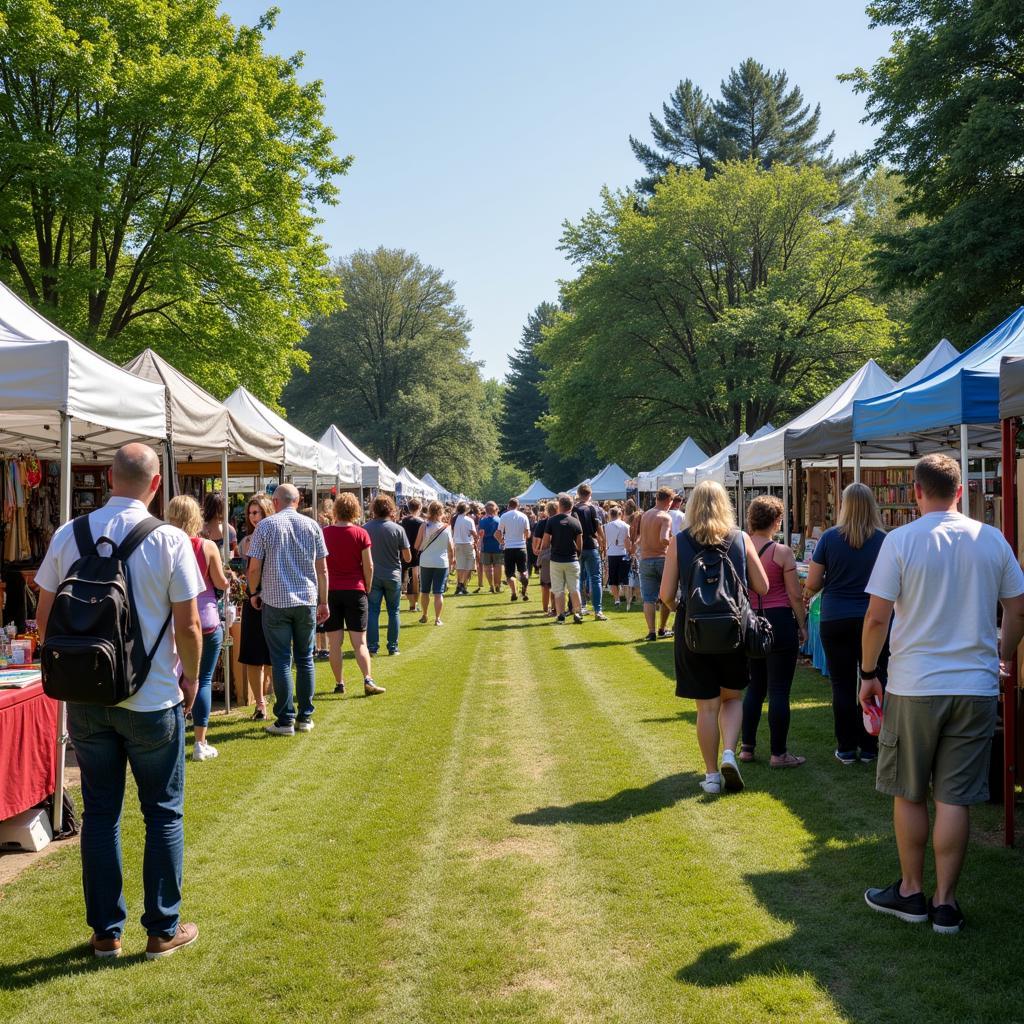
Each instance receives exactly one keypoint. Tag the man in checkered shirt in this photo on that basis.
(288, 579)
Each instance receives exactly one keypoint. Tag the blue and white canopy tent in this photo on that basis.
(537, 491)
(687, 455)
(955, 408)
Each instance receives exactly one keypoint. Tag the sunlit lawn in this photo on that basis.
(515, 833)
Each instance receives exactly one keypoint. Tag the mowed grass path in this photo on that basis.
(515, 833)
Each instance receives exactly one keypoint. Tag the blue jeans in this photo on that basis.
(289, 630)
(153, 742)
(212, 644)
(386, 592)
(590, 570)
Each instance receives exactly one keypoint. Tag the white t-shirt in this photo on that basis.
(514, 526)
(434, 553)
(678, 518)
(946, 574)
(615, 533)
(464, 530)
(163, 569)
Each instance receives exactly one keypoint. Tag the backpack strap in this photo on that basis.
(83, 536)
(138, 534)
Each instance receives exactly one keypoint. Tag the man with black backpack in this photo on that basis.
(121, 644)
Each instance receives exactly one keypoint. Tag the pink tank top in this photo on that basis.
(209, 615)
(776, 596)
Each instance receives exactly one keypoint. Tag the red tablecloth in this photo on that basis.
(28, 727)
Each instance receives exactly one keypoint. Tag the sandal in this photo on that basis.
(787, 760)
(746, 752)
(423, 619)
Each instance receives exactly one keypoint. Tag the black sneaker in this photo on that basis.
(560, 619)
(867, 757)
(912, 909)
(577, 618)
(515, 597)
(652, 636)
(259, 716)
(339, 687)
(664, 634)
(946, 918)
(846, 757)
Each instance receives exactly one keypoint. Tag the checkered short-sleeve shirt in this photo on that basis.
(289, 545)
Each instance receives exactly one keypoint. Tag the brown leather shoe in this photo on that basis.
(159, 947)
(107, 949)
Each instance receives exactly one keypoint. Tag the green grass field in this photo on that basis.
(515, 833)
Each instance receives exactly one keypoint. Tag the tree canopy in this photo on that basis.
(726, 303)
(759, 117)
(948, 100)
(393, 371)
(159, 173)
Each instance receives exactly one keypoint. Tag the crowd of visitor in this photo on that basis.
(908, 624)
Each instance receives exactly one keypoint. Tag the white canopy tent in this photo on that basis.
(64, 402)
(717, 466)
(374, 472)
(409, 485)
(442, 492)
(300, 451)
(942, 355)
(537, 491)
(610, 483)
(688, 454)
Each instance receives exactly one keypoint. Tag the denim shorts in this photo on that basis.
(433, 581)
(651, 571)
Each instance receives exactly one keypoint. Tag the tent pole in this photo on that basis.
(61, 739)
(360, 490)
(313, 500)
(167, 475)
(839, 486)
(225, 546)
(856, 462)
(1009, 681)
(259, 484)
(786, 535)
(965, 501)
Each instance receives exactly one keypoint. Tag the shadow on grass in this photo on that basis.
(626, 804)
(680, 716)
(587, 644)
(39, 969)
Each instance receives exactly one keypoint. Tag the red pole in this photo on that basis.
(1009, 683)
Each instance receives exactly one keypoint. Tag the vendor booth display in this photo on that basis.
(373, 472)
(409, 485)
(28, 724)
(687, 455)
(443, 493)
(537, 491)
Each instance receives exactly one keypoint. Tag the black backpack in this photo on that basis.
(93, 652)
(716, 609)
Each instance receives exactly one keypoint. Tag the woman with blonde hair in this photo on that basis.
(253, 653)
(183, 511)
(437, 554)
(715, 681)
(840, 568)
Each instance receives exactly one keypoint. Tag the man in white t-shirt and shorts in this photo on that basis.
(943, 575)
(513, 532)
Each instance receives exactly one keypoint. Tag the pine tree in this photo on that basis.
(759, 117)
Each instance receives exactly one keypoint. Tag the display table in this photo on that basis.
(28, 729)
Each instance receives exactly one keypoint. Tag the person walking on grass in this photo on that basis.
(411, 523)
(464, 532)
(563, 537)
(513, 533)
(544, 556)
(389, 547)
(676, 514)
(253, 653)
(288, 574)
(772, 677)
(437, 555)
(477, 513)
(654, 534)
(146, 731)
(715, 681)
(490, 547)
(183, 512)
(840, 568)
(944, 576)
(591, 519)
(616, 534)
(349, 579)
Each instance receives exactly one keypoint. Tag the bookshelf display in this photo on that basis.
(893, 489)
(89, 488)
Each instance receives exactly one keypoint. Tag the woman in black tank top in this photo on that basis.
(716, 682)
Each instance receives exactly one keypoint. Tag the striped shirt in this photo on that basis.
(289, 545)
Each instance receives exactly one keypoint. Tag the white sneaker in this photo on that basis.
(731, 772)
(203, 751)
(280, 730)
(304, 725)
(712, 784)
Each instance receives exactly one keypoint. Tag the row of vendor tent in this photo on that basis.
(676, 465)
(373, 472)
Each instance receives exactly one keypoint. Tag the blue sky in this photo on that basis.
(477, 128)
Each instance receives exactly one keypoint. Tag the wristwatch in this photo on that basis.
(873, 674)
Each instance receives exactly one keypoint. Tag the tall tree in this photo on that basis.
(522, 438)
(759, 117)
(158, 177)
(393, 370)
(724, 304)
(947, 99)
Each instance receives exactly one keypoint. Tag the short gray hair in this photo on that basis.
(285, 495)
(564, 501)
(135, 465)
